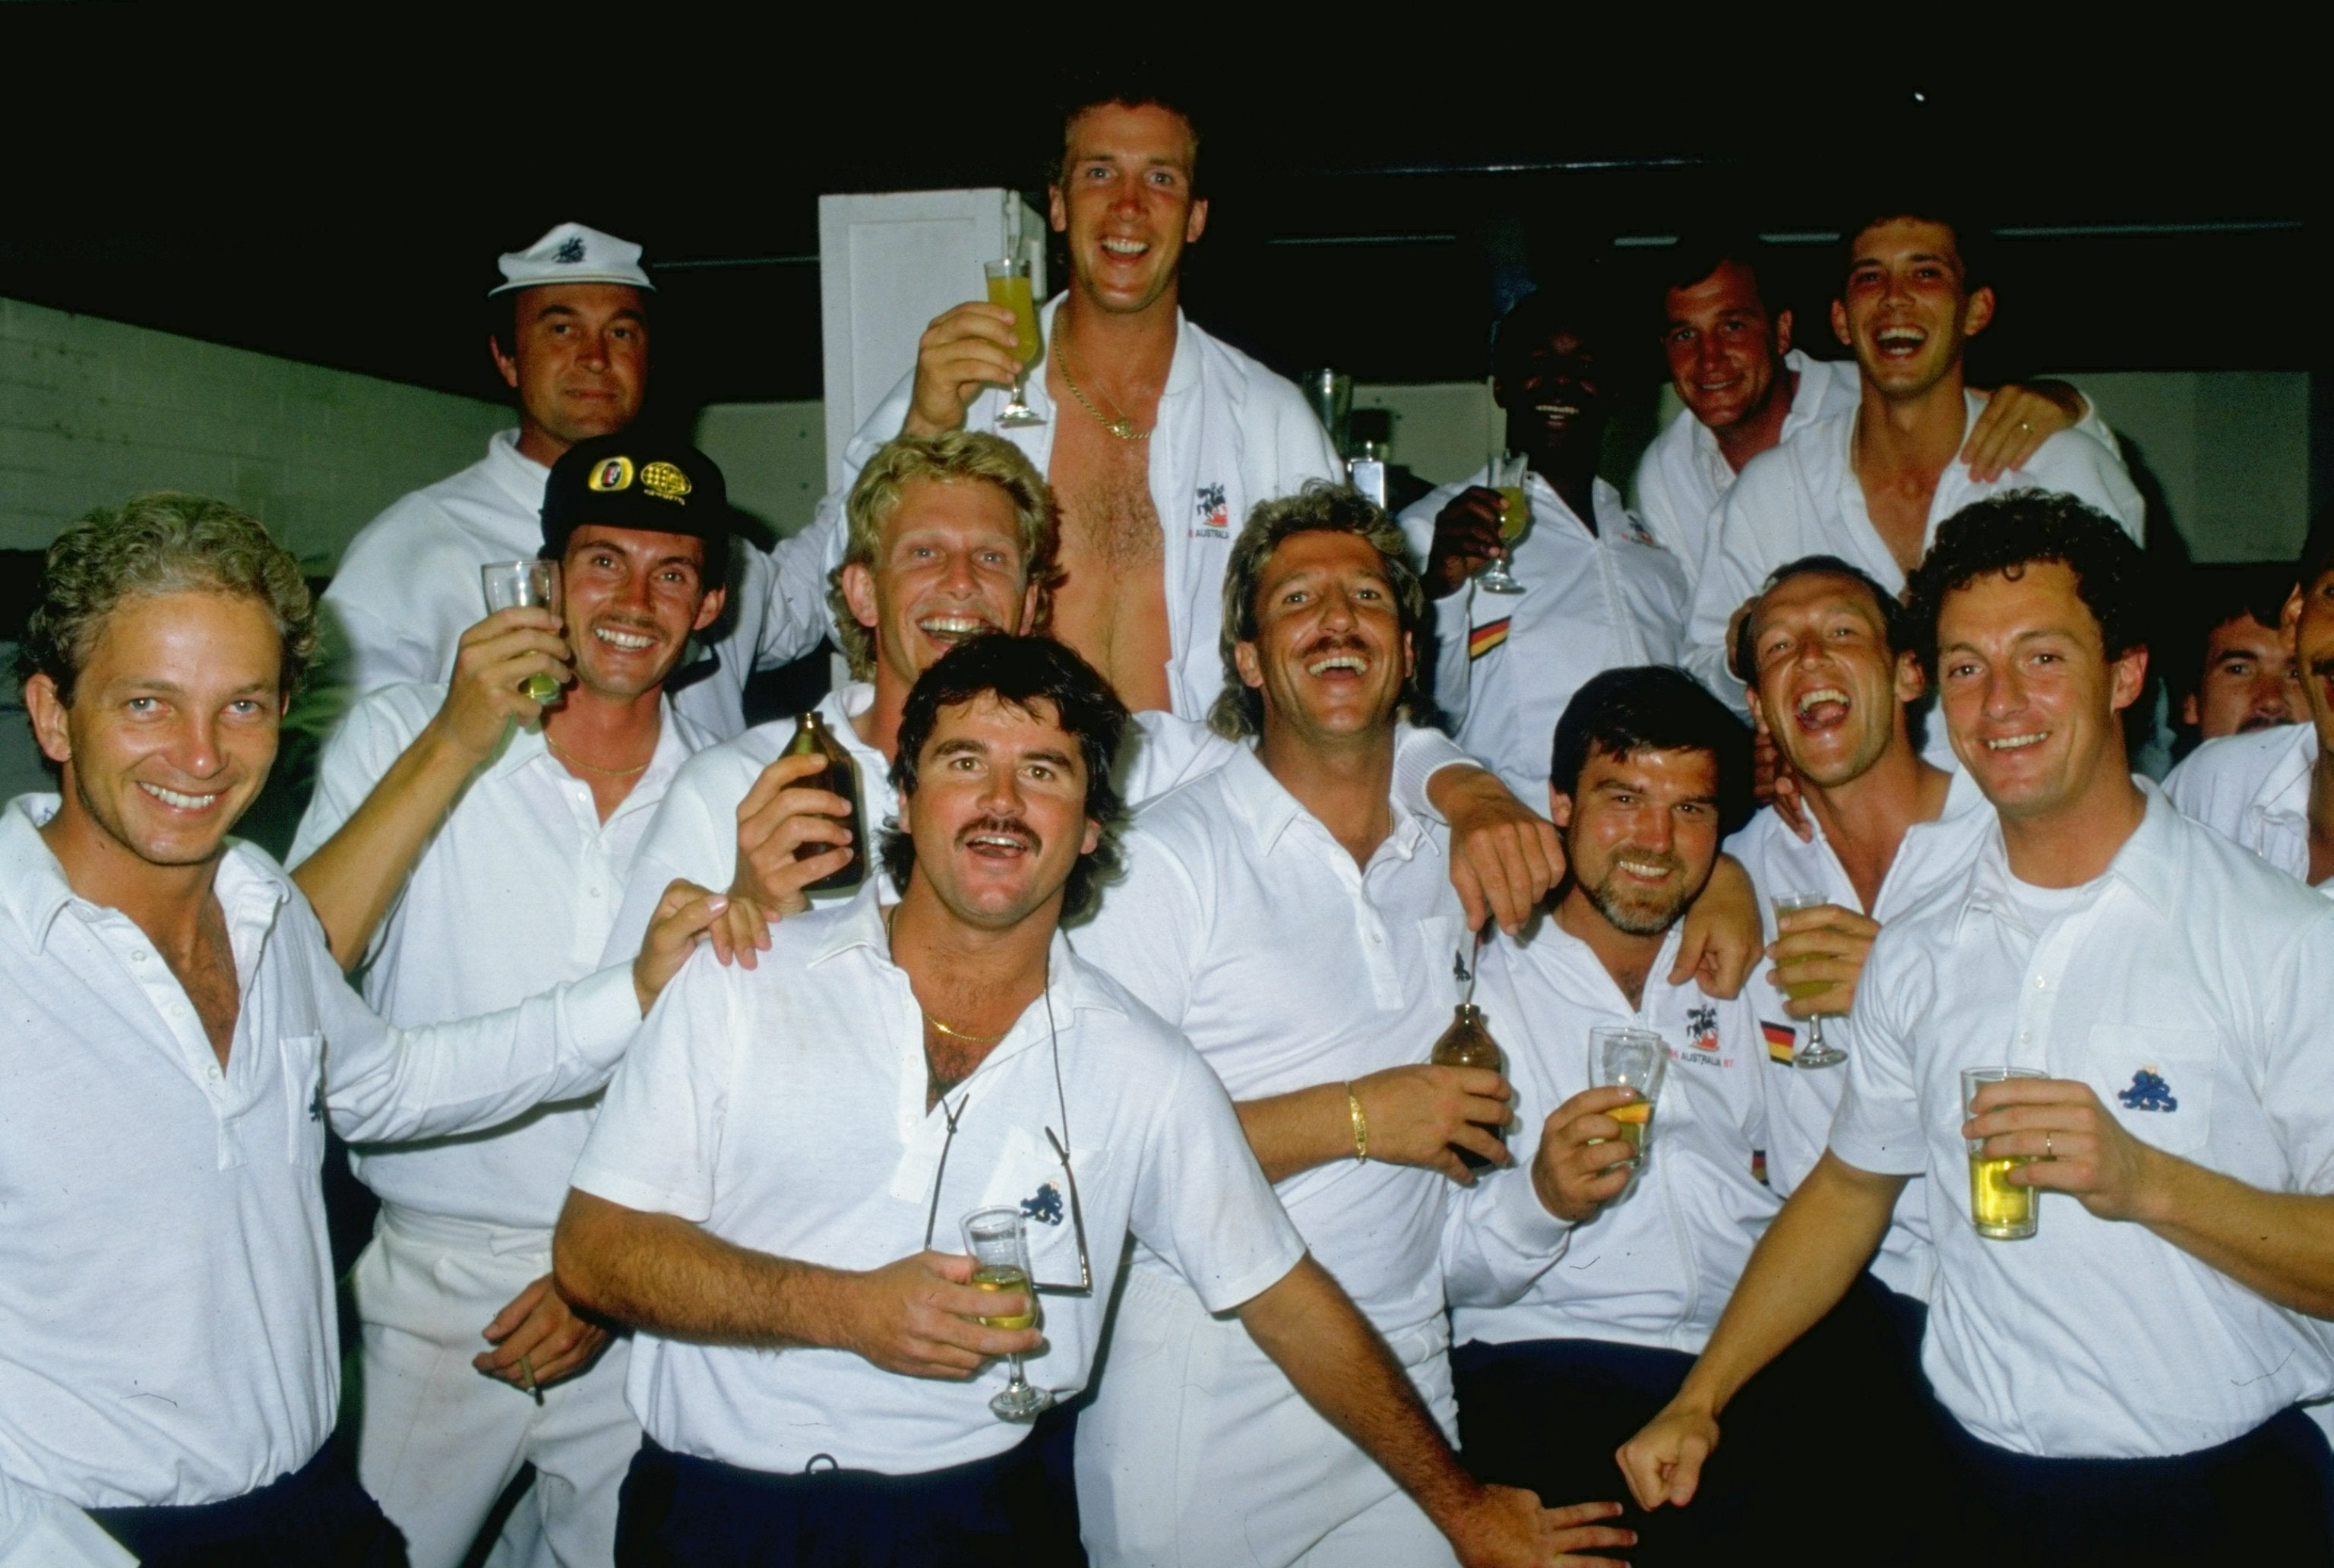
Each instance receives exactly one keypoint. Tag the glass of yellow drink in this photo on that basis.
(1999, 1211)
(1627, 1057)
(511, 583)
(1506, 475)
(999, 1241)
(1009, 285)
(1815, 1053)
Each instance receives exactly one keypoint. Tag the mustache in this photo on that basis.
(998, 826)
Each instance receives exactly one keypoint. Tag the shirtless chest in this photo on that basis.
(1898, 506)
(1112, 603)
(207, 973)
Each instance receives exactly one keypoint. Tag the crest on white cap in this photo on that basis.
(573, 253)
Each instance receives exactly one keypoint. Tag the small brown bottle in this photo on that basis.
(812, 737)
(1467, 1044)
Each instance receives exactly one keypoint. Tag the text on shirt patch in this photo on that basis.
(1046, 1207)
(2149, 1091)
(1214, 508)
(1702, 1038)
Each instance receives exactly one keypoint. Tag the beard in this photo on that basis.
(1636, 913)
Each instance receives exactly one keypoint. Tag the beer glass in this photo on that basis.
(999, 1241)
(1815, 1053)
(1621, 1055)
(1999, 1211)
(535, 583)
(1506, 476)
(1009, 286)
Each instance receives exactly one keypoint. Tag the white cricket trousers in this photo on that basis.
(1197, 1452)
(439, 1440)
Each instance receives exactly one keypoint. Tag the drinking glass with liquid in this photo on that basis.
(999, 1241)
(1815, 1053)
(1999, 1211)
(1009, 285)
(1507, 475)
(1624, 1057)
(510, 584)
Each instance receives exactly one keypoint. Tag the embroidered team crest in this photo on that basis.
(615, 474)
(1783, 1042)
(666, 482)
(1214, 508)
(2149, 1091)
(570, 251)
(1459, 967)
(1046, 1207)
(1702, 1029)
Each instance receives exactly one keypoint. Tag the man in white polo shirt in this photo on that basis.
(463, 863)
(571, 338)
(1746, 390)
(952, 537)
(2122, 1382)
(775, 1187)
(1296, 920)
(180, 1035)
(1870, 485)
(2273, 791)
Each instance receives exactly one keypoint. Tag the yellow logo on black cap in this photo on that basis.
(665, 482)
(615, 474)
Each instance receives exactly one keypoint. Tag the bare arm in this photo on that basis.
(1412, 1116)
(1344, 1370)
(661, 1273)
(353, 877)
(1801, 1268)
(1504, 856)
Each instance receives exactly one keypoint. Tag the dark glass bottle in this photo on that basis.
(1468, 1044)
(812, 737)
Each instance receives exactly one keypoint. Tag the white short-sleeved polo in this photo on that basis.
(1804, 498)
(516, 891)
(1801, 1104)
(2190, 989)
(2255, 790)
(1656, 1267)
(1507, 664)
(166, 1327)
(783, 1109)
(1243, 923)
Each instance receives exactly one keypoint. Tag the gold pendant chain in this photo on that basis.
(564, 754)
(1122, 427)
(960, 1034)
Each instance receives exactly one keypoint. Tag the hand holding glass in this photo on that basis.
(1999, 1211)
(999, 1241)
(511, 584)
(1506, 476)
(1815, 1053)
(1627, 1058)
(1009, 286)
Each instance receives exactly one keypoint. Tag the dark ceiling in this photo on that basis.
(345, 208)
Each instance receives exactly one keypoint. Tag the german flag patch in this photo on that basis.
(1783, 1042)
(1485, 637)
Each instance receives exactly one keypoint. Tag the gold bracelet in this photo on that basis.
(1361, 1126)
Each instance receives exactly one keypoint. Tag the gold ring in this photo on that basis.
(2047, 1152)
(2025, 427)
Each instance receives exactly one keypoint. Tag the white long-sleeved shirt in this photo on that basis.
(1683, 476)
(1653, 1268)
(516, 891)
(407, 588)
(2254, 789)
(2189, 988)
(1801, 1102)
(166, 1327)
(1230, 433)
(1507, 664)
(1804, 498)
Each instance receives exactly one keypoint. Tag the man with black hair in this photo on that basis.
(1746, 389)
(1871, 485)
(774, 1190)
(2238, 667)
(2123, 1386)
(1293, 918)
(1157, 438)
(1596, 592)
(1583, 1281)
(569, 335)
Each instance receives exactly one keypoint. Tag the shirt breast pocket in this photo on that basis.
(2157, 1082)
(303, 1098)
(1029, 1178)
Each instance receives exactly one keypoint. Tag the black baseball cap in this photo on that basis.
(638, 481)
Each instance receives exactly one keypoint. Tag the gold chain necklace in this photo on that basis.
(960, 1034)
(1122, 427)
(564, 754)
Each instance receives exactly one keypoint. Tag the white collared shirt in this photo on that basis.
(408, 587)
(1683, 475)
(1654, 1267)
(166, 1327)
(783, 1108)
(1507, 664)
(695, 833)
(1244, 924)
(516, 891)
(2191, 991)
(2254, 789)
(1801, 1104)
(1230, 433)
(1804, 498)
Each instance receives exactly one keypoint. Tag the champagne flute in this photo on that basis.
(511, 583)
(999, 1241)
(1815, 1053)
(1508, 469)
(1627, 1057)
(1009, 286)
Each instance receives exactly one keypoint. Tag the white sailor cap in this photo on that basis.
(573, 253)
